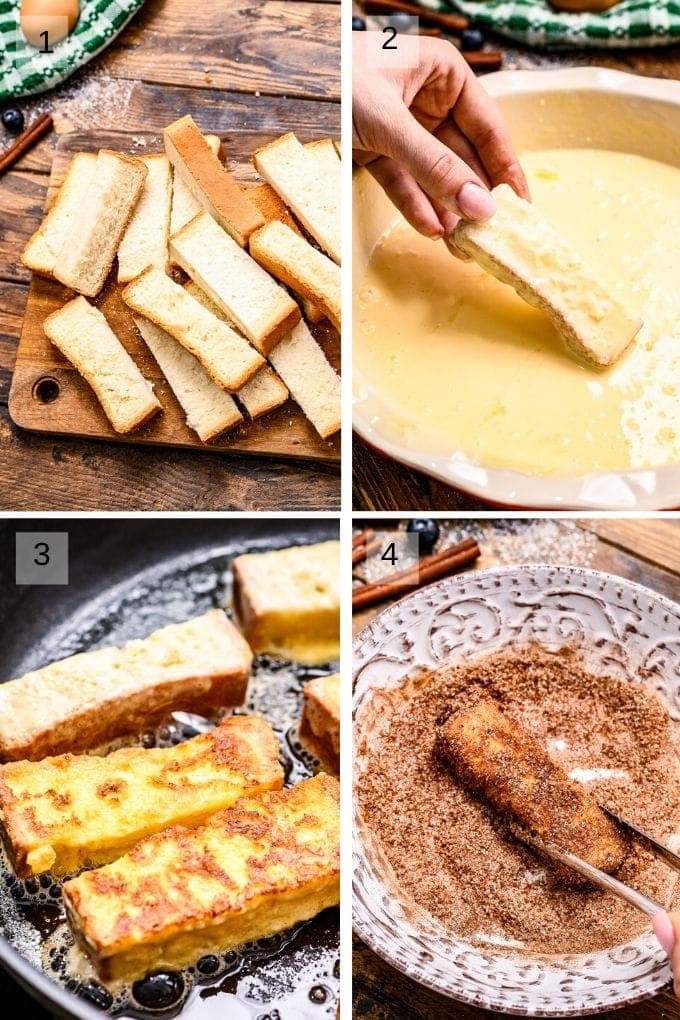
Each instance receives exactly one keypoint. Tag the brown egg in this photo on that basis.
(56, 17)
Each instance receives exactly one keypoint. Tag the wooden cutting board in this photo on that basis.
(48, 395)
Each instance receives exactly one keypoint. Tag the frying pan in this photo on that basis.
(128, 576)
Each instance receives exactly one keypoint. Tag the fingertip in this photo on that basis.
(475, 202)
(663, 929)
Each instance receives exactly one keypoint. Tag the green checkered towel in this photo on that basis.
(24, 70)
(536, 23)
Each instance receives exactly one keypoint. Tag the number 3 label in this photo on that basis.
(41, 557)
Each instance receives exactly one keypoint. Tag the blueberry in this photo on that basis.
(358, 24)
(13, 120)
(402, 22)
(471, 39)
(428, 532)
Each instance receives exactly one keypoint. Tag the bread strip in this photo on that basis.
(325, 152)
(493, 755)
(145, 241)
(229, 359)
(303, 184)
(209, 410)
(260, 308)
(82, 702)
(313, 384)
(253, 870)
(519, 247)
(273, 207)
(288, 601)
(40, 254)
(88, 251)
(184, 205)
(265, 391)
(83, 335)
(320, 726)
(75, 811)
(209, 181)
(296, 263)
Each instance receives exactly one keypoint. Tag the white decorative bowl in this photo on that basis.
(588, 107)
(620, 629)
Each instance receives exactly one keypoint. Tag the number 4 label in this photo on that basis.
(41, 557)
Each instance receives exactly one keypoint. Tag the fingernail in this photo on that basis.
(663, 929)
(475, 202)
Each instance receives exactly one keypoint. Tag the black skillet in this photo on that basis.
(126, 578)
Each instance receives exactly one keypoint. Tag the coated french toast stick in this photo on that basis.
(251, 871)
(495, 757)
(90, 699)
(73, 811)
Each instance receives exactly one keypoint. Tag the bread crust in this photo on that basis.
(209, 181)
(82, 161)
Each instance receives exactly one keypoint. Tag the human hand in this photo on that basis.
(667, 929)
(429, 134)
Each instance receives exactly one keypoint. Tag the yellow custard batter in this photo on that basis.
(463, 365)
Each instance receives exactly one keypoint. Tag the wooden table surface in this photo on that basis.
(273, 66)
(644, 551)
(380, 483)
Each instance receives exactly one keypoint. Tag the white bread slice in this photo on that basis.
(261, 309)
(209, 410)
(303, 184)
(313, 384)
(145, 241)
(184, 205)
(293, 260)
(88, 251)
(273, 207)
(209, 181)
(264, 391)
(229, 359)
(325, 152)
(83, 335)
(84, 701)
(40, 254)
(519, 247)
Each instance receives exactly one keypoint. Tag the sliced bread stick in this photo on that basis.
(184, 205)
(88, 251)
(145, 241)
(273, 207)
(301, 181)
(325, 152)
(264, 391)
(313, 384)
(209, 410)
(43, 248)
(519, 247)
(209, 181)
(294, 261)
(229, 359)
(261, 309)
(83, 335)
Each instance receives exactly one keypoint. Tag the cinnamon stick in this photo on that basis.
(362, 552)
(449, 22)
(26, 141)
(363, 537)
(430, 568)
(484, 60)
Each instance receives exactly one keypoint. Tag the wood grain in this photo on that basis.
(272, 46)
(76, 412)
(644, 551)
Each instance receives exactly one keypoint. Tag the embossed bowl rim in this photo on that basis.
(645, 489)
(362, 925)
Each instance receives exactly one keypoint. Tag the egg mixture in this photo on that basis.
(449, 361)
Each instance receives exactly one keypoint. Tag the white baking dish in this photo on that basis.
(580, 107)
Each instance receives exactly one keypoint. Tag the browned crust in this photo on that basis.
(245, 610)
(239, 216)
(231, 385)
(287, 275)
(321, 747)
(280, 329)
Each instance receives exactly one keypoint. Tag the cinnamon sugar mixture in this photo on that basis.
(455, 857)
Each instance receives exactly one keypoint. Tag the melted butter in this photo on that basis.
(459, 363)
